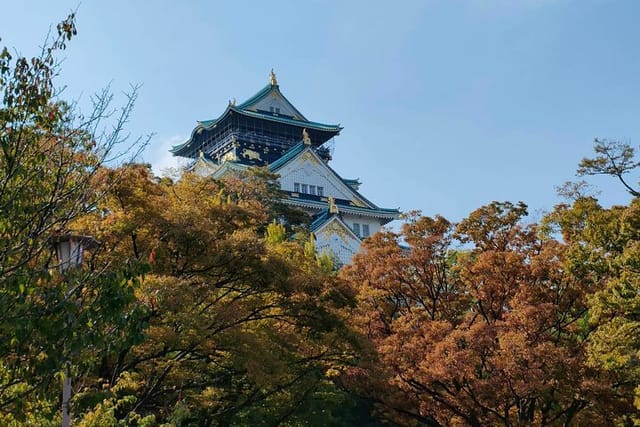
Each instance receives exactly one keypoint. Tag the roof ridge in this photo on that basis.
(209, 124)
(346, 207)
(257, 96)
(287, 155)
(263, 93)
(284, 119)
(326, 217)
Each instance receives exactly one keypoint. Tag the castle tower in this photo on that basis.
(267, 130)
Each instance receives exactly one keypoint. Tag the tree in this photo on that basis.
(245, 328)
(603, 249)
(492, 334)
(613, 158)
(49, 154)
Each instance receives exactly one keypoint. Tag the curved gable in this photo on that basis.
(275, 103)
(336, 238)
(308, 169)
(271, 100)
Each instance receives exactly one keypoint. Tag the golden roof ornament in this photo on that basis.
(201, 154)
(305, 137)
(333, 208)
(272, 78)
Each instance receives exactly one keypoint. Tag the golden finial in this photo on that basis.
(272, 78)
(305, 137)
(333, 208)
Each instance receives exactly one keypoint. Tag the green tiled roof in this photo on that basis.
(227, 167)
(325, 218)
(380, 213)
(282, 119)
(243, 109)
(288, 155)
(320, 219)
(299, 148)
(208, 124)
(263, 93)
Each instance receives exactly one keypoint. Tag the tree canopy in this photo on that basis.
(205, 302)
(243, 327)
(492, 321)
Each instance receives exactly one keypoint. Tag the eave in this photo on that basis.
(300, 148)
(325, 220)
(320, 203)
(185, 148)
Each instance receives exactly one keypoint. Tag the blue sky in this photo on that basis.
(446, 105)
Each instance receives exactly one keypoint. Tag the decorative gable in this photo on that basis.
(335, 238)
(309, 170)
(270, 100)
(204, 167)
(276, 104)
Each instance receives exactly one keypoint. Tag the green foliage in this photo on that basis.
(243, 325)
(614, 309)
(48, 159)
(602, 252)
(206, 303)
(613, 158)
(325, 261)
(114, 406)
(276, 233)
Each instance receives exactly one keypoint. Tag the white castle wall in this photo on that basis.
(308, 170)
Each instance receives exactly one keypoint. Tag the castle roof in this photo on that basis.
(269, 90)
(358, 205)
(325, 217)
(258, 107)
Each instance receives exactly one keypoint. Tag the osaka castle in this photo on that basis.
(267, 130)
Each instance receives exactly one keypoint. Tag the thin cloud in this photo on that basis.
(161, 159)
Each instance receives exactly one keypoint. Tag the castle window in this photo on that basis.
(320, 191)
(277, 110)
(365, 230)
(312, 189)
(303, 188)
(356, 229)
(296, 187)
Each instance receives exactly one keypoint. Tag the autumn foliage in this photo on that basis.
(244, 326)
(205, 303)
(493, 330)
